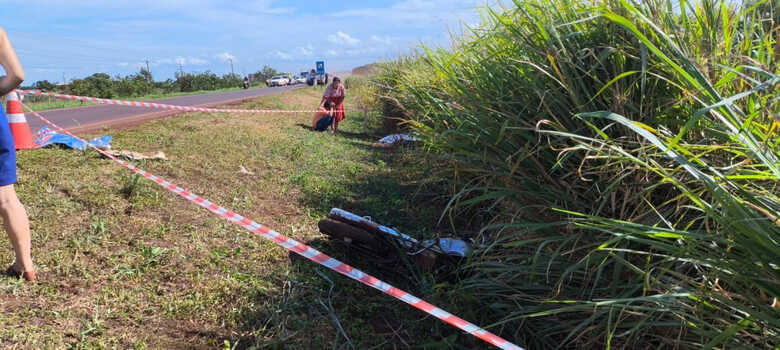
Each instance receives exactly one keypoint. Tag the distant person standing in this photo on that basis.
(335, 94)
(312, 79)
(11, 209)
(326, 78)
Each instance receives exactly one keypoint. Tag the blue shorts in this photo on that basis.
(7, 152)
(322, 124)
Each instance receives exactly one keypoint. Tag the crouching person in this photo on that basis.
(324, 117)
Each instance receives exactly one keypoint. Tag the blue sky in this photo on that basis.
(80, 37)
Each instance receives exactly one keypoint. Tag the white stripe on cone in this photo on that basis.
(14, 118)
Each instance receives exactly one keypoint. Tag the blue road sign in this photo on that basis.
(320, 67)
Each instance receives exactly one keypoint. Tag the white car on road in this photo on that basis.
(279, 80)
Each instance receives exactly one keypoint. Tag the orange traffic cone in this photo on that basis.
(18, 123)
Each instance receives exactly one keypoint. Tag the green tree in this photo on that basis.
(146, 75)
(266, 73)
(45, 85)
(81, 87)
(101, 84)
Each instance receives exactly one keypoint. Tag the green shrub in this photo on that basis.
(365, 99)
(400, 86)
(353, 81)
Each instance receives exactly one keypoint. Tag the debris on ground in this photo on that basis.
(137, 156)
(448, 246)
(48, 137)
(352, 228)
(395, 138)
(243, 170)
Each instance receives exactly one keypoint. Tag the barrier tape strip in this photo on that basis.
(305, 251)
(108, 101)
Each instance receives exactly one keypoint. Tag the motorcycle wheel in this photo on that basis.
(349, 233)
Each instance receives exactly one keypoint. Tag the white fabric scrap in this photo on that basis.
(391, 139)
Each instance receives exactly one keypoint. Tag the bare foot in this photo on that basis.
(17, 272)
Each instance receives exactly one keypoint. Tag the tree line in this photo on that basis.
(142, 83)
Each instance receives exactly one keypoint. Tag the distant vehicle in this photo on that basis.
(301, 79)
(279, 80)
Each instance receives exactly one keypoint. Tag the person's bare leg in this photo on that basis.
(17, 226)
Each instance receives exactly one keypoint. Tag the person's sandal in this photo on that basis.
(28, 275)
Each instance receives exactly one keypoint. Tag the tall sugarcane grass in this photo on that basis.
(625, 158)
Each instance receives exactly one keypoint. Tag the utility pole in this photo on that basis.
(149, 72)
(181, 71)
(231, 66)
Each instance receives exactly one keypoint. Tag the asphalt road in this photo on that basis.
(100, 116)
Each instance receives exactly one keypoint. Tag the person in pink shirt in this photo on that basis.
(335, 94)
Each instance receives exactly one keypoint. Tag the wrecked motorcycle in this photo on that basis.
(378, 240)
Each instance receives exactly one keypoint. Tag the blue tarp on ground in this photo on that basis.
(47, 137)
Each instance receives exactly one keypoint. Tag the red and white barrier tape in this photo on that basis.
(108, 101)
(306, 251)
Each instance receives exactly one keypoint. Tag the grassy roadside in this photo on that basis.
(124, 264)
(43, 103)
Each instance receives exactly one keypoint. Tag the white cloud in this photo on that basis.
(190, 60)
(307, 50)
(282, 55)
(123, 64)
(224, 57)
(342, 38)
(332, 53)
(386, 40)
